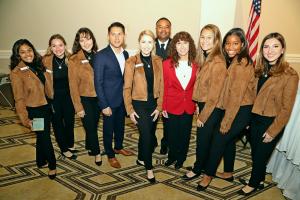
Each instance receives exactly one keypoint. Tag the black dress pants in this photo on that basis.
(164, 141)
(180, 126)
(90, 123)
(204, 138)
(147, 139)
(63, 119)
(260, 151)
(223, 145)
(44, 149)
(113, 129)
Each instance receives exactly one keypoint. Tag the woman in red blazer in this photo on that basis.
(179, 73)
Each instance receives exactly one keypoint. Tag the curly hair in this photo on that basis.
(262, 63)
(87, 33)
(58, 37)
(217, 48)
(172, 52)
(244, 53)
(15, 58)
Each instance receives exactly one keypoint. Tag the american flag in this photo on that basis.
(253, 28)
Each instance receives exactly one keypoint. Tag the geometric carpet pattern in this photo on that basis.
(82, 179)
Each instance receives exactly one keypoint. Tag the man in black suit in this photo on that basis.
(163, 32)
(109, 66)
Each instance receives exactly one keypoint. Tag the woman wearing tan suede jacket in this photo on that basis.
(276, 87)
(56, 60)
(236, 102)
(143, 90)
(207, 89)
(82, 89)
(31, 88)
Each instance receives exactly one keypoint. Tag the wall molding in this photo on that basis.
(5, 54)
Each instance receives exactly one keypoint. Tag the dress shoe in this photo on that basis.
(244, 182)
(51, 175)
(73, 150)
(178, 165)
(151, 180)
(163, 150)
(138, 162)
(169, 162)
(202, 188)
(97, 161)
(71, 156)
(242, 192)
(185, 177)
(229, 179)
(43, 166)
(124, 152)
(114, 163)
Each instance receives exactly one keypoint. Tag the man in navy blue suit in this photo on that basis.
(109, 66)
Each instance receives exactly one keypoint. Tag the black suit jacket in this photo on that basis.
(163, 55)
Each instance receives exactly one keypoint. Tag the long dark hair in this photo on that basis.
(88, 34)
(182, 36)
(262, 63)
(15, 58)
(244, 53)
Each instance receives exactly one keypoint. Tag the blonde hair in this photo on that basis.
(59, 37)
(151, 34)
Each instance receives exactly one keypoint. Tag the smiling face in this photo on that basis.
(86, 42)
(272, 50)
(163, 30)
(116, 37)
(182, 48)
(58, 48)
(233, 45)
(207, 40)
(146, 45)
(26, 53)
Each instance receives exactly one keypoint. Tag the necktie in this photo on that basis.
(163, 51)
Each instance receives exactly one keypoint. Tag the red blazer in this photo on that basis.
(176, 100)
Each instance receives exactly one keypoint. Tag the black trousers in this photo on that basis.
(260, 151)
(180, 126)
(224, 144)
(63, 119)
(113, 128)
(90, 124)
(147, 139)
(44, 149)
(164, 141)
(204, 138)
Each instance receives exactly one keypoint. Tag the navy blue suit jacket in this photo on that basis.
(108, 78)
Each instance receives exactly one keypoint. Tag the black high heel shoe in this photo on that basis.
(229, 179)
(151, 180)
(99, 163)
(72, 157)
(202, 188)
(244, 182)
(51, 176)
(73, 150)
(138, 162)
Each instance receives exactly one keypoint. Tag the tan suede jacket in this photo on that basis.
(81, 79)
(209, 83)
(28, 90)
(238, 90)
(135, 83)
(276, 98)
(47, 61)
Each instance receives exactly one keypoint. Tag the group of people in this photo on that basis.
(216, 80)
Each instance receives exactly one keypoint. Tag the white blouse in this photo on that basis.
(183, 73)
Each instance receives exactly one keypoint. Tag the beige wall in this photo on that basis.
(38, 19)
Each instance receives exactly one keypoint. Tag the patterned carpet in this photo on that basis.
(82, 179)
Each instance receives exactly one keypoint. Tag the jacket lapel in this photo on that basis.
(194, 69)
